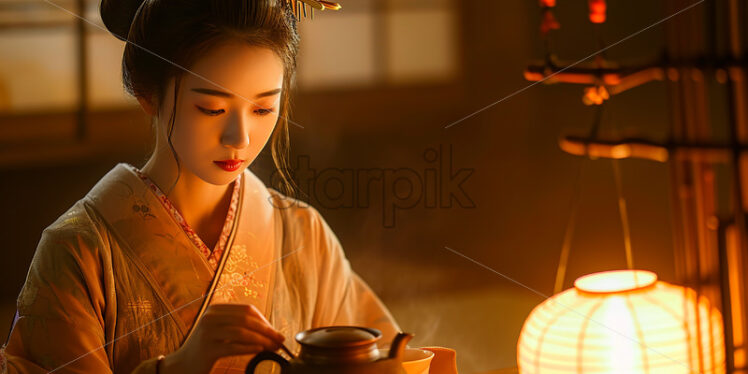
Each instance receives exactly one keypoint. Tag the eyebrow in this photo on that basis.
(209, 91)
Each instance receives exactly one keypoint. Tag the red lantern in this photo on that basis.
(549, 23)
(597, 11)
(547, 3)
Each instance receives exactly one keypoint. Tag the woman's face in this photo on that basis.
(227, 109)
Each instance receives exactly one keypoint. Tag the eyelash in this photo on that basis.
(209, 112)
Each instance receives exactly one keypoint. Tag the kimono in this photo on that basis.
(120, 278)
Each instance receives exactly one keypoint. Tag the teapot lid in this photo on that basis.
(338, 336)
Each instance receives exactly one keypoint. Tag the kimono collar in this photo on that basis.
(121, 184)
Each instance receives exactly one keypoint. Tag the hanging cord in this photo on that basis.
(623, 211)
(598, 10)
(575, 199)
(575, 202)
(624, 215)
(597, 16)
(571, 223)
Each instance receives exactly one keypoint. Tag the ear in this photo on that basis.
(147, 106)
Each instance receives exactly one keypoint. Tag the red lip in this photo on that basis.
(229, 165)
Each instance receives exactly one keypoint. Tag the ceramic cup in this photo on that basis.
(415, 361)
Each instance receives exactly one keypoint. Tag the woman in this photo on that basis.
(190, 264)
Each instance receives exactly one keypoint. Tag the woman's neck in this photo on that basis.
(201, 204)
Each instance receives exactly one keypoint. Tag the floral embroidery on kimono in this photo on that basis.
(237, 280)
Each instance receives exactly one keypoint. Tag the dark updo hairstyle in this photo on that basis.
(165, 37)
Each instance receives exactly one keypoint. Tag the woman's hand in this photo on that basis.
(224, 330)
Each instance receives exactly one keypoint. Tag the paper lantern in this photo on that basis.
(623, 321)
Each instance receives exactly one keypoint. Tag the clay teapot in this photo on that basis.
(339, 350)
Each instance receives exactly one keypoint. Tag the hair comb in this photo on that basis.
(299, 7)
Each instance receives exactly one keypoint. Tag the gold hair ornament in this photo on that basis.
(299, 7)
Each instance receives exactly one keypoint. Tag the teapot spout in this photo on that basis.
(397, 349)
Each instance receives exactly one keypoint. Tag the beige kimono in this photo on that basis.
(113, 285)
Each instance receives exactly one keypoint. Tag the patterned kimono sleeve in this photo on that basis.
(61, 307)
(343, 297)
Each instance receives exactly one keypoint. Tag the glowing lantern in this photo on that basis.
(622, 321)
(597, 11)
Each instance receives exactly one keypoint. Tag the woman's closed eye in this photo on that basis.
(210, 112)
(264, 112)
(215, 112)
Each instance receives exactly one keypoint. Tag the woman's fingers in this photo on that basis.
(237, 334)
(263, 327)
(243, 315)
(248, 322)
(257, 313)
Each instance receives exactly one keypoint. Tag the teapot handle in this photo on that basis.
(266, 356)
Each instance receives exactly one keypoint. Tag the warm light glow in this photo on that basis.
(623, 321)
(615, 281)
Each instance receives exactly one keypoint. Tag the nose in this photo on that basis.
(236, 132)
